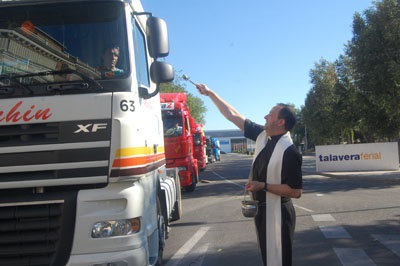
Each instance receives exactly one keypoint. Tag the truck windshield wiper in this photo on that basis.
(10, 88)
(83, 76)
(6, 90)
(67, 86)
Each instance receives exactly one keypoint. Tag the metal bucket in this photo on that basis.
(249, 207)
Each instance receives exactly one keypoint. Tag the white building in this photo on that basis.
(232, 140)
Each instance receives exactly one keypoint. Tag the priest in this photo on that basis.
(275, 176)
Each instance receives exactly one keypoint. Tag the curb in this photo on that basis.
(360, 177)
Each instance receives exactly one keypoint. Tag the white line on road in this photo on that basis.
(227, 180)
(323, 218)
(392, 242)
(305, 209)
(187, 247)
(334, 232)
(196, 257)
(353, 257)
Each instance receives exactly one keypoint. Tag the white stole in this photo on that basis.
(273, 202)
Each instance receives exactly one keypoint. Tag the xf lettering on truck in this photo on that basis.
(87, 129)
(18, 113)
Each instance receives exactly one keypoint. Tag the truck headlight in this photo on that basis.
(116, 228)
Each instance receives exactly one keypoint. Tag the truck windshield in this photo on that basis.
(197, 139)
(172, 124)
(87, 38)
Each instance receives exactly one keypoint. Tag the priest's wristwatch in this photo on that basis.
(265, 187)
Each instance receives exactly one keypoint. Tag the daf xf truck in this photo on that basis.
(82, 159)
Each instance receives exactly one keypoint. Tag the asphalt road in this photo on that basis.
(339, 221)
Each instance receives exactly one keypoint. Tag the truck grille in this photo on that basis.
(28, 134)
(30, 234)
(44, 153)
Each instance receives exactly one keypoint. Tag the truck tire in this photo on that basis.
(192, 186)
(177, 212)
(162, 232)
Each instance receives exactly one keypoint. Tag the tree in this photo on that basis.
(298, 130)
(196, 104)
(349, 106)
(375, 54)
(319, 111)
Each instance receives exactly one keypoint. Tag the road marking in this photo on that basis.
(181, 253)
(319, 195)
(353, 257)
(334, 232)
(323, 218)
(305, 209)
(392, 242)
(227, 180)
(196, 257)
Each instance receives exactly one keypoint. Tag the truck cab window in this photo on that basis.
(142, 74)
(173, 125)
(87, 38)
(197, 139)
(187, 124)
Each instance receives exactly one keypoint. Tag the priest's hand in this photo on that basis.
(203, 89)
(254, 186)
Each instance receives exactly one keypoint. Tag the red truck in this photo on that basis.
(178, 138)
(199, 146)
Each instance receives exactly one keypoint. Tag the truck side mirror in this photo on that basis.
(157, 37)
(161, 72)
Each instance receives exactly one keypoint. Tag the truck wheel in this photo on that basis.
(162, 232)
(177, 213)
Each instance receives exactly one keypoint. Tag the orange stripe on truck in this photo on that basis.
(138, 161)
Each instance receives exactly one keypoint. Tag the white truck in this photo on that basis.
(82, 165)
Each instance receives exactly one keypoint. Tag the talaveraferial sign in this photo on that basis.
(357, 157)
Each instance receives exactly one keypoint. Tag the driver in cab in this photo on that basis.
(110, 59)
(174, 131)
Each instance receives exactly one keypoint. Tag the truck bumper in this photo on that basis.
(122, 258)
(117, 201)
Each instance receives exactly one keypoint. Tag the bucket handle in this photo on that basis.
(244, 194)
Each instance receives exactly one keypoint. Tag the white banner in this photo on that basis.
(357, 157)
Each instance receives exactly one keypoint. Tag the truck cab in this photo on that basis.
(82, 150)
(199, 146)
(178, 138)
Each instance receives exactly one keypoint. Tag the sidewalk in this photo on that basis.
(309, 168)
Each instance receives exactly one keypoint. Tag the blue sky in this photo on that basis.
(254, 53)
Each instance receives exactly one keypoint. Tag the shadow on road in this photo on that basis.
(177, 224)
(220, 188)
